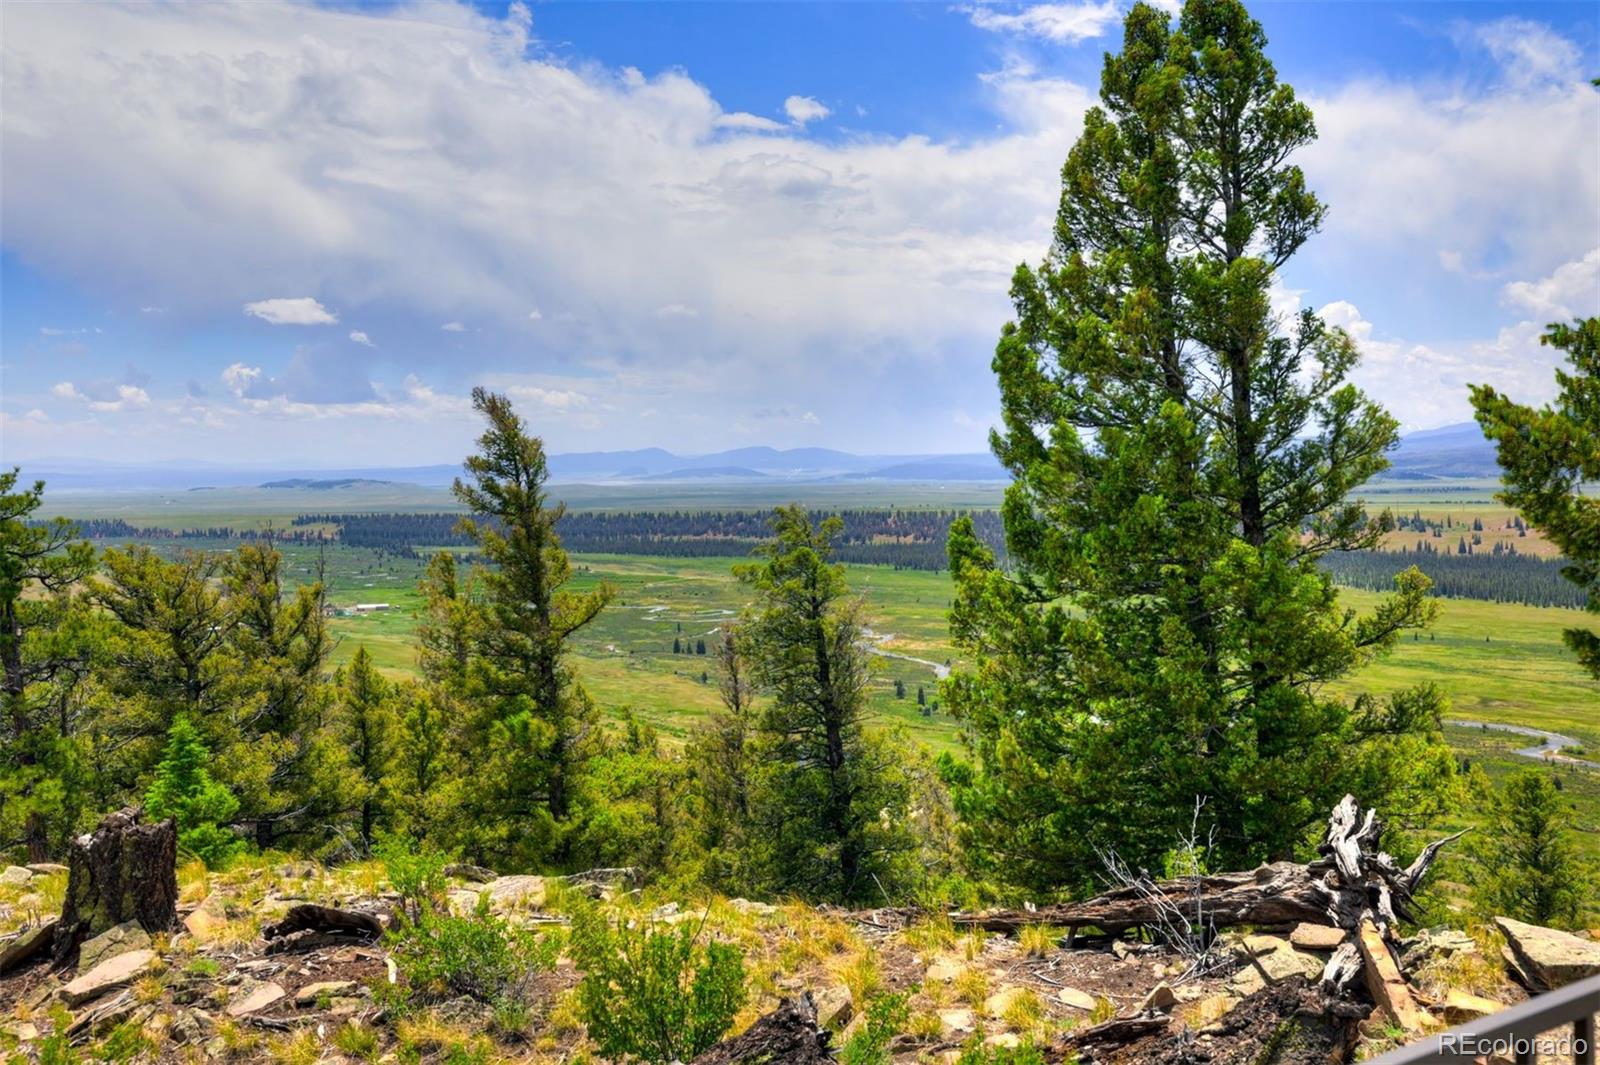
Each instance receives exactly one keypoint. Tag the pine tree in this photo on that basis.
(47, 641)
(1546, 457)
(677, 646)
(719, 761)
(368, 725)
(831, 799)
(1181, 459)
(184, 791)
(1525, 864)
(534, 721)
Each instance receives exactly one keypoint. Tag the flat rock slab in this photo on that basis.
(113, 973)
(260, 997)
(957, 1021)
(1545, 958)
(1307, 936)
(308, 995)
(515, 892)
(28, 946)
(1078, 1000)
(45, 868)
(15, 876)
(119, 939)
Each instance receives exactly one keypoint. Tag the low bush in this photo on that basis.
(658, 993)
(885, 1017)
(443, 955)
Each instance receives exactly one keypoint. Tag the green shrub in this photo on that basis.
(443, 955)
(886, 1016)
(415, 871)
(658, 993)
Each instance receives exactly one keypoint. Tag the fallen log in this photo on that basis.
(789, 1034)
(344, 925)
(1352, 880)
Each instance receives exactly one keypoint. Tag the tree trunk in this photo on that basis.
(125, 870)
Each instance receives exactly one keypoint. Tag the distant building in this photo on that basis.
(358, 608)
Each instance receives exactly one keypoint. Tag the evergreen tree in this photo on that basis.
(425, 773)
(1181, 459)
(830, 800)
(533, 721)
(47, 644)
(449, 622)
(1524, 863)
(677, 646)
(719, 761)
(184, 791)
(368, 726)
(1546, 457)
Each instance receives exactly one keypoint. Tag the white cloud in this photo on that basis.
(453, 327)
(1066, 23)
(535, 315)
(1529, 53)
(804, 109)
(238, 377)
(103, 397)
(361, 338)
(744, 120)
(550, 398)
(1573, 290)
(302, 310)
(676, 310)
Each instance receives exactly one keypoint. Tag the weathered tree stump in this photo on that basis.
(125, 870)
(789, 1034)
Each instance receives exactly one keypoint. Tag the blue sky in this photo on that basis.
(297, 233)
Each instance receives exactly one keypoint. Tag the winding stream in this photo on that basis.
(1549, 750)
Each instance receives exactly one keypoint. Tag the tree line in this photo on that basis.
(905, 539)
(1499, 577)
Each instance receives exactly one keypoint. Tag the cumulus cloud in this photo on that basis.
(302, 310)
(804, 109)
(550, 398)
(103, 397)
(1573, 290)
(1059, 23)
(453, 327)
(361, 338)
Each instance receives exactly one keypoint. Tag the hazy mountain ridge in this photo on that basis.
(1449, 452)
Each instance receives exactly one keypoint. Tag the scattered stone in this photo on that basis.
(188, 1027)
(1008, 1040)
(958, 1021)
(113, 973)
(1254, 946)
(113, 941)
(754, 909)
(944, 969)
(104, 1016)
(1159, 1000)
(309, 994)
(1002, 1000)
(21, 1031)
(344, 1005)
(1307, 936)
(206, 919)
(476, 874)
(1546, 959)
(28, 945)
(45, 868)
(1209, 1010)
(15, 876)
(327, 921)
(512, 892)
(262, 996)
(834, 1008)
(1460, 1007)
(1123, 949)
(1078, 1000)
(1434, 944)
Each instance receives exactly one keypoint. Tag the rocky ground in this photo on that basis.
(219, 988)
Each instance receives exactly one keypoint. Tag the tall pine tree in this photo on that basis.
(1181, 457)
(534, 722)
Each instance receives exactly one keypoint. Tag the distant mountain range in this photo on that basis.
(1454, 451)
